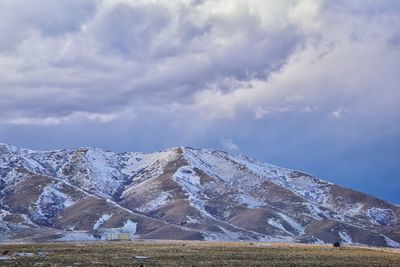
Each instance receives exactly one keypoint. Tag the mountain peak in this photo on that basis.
(182, 193)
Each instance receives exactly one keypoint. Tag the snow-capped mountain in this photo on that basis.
(180, 193)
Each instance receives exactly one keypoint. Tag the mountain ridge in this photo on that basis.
(180, 193)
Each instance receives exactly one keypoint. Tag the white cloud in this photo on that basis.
(294, 98)
(307, 14)
(18, 119)
(211, 60)
(229, 145)
(338, 113)
(102, 55)
(261, 112)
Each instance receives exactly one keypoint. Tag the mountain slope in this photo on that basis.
(180, 193)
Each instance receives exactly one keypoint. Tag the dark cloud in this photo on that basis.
(131, 31)
(101, 56)
(20, 19)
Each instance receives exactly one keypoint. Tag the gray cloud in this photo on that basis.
(210, 60)
(106, 55)
(207, 57)
(271, 75)
(20, 20)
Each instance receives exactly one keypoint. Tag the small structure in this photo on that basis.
(336, 244)
(141, 257)
(117, 237)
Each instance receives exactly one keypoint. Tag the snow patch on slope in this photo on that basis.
(354, 210)
(153, 204)
(314, 210)
(250, 201)
(102, 220)
(135, 162)
(190, 183)
(293, 223)
(214, 166)
(50, 202)
(13, 158)
(4, 213)
(346, 238)
(225, 235)
(246, 173)
(391, 243)
(105, 175)
(380, 216)
(277, 224)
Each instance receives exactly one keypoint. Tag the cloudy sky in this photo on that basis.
(309, 85)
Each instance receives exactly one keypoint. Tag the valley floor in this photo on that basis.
(193, 253)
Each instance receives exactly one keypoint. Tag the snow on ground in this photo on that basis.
(210, 164)
(247, 173)
(187, 178)
(380, 216)
(293, 223)
(27, 220)
(298, 228)
(193, 156)
(103, 167)
(250, 201)
(102, 220)
(187, 174)
(277, 224)
(143, 167)
(190, 219)
(12, 158)
(219, 167)
(244, 174)
(353, 210)
(190, 183)
(77, 236)
(309, 188)
(51, 160)
(225, 235)
(153, 204)
(52, 194)
(135, 162)
(346, 238)
(4, 213)
(391, 243)
(306, 186)
(314, 210)
(51, 201)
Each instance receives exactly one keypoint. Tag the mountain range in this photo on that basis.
(180, 193)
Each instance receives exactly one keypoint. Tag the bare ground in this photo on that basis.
(194, 253)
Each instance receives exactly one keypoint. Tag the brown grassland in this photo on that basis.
(195, 253)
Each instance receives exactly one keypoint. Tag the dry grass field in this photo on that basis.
(193, 253)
